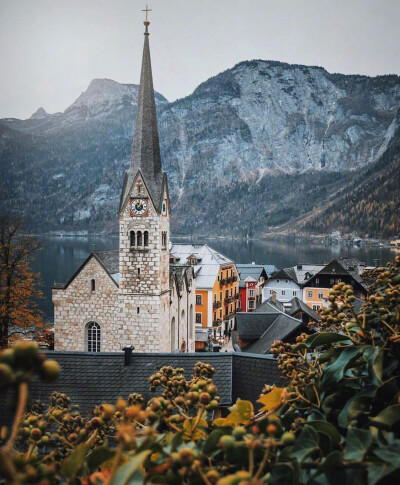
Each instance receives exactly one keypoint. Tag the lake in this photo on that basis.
(62, 256)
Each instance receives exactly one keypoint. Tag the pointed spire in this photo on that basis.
(146, 148)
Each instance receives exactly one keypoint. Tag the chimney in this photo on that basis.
(273, 297)
(128, 354)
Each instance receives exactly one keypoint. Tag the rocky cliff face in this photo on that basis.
(273, 140)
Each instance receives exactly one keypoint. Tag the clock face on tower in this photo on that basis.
(138, 207)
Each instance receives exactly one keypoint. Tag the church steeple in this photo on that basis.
(145, 155)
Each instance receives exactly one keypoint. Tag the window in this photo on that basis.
(317, 281)
(226, 293)
(251, 292)
(93, 285)
(295, 293)
(316, 307)
(332, 281)
(93, 337)
(137, 310)
(270, 292)
(239, 304)
(199, 300)
(173, 342)
(215, 297)
(320, 294)
(220, 313)
(215, 316)
(226, 310)
(198, 317)
(139, 238)
(164, 239)
(132, 238)
(338, 280)
(220, 295)
(231, 291)
(309, 294)
(277, 281)
(283, 292)
(146, 238)
(138, 188)
(138, 271)
(251, 304)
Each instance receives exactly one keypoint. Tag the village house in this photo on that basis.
(316, 290)
(217, 289)
(132, 296)
(251, 283)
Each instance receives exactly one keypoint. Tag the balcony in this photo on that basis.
(234, 278)
(229, 299)
(217, 323)
(252, 297)
(223, 281)
(237, 296)
(217, 304)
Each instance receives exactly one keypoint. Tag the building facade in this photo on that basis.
(217, 288)
(252, 278)
(132, 296)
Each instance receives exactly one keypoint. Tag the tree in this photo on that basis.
(18, 284)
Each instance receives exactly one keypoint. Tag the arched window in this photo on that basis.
(173, 342)
(191, 323)
(93, 337)
(132, 238)
(139, 238)
(146, 238)
(92, 285)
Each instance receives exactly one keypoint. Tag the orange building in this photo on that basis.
(217, 287)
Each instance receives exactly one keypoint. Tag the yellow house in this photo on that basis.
(217, 285)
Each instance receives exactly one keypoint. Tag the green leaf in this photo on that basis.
(377, 471)
(387, 418)
(332, 462)
(125, 474)
(357, 443)
(390, 454)
(212, 440)
(71, 465)
(374, 357)
(327, 428)
(284, 474)
(99, 455)
(333, 373)
(356, 406)
(305, 444)
(324, 338)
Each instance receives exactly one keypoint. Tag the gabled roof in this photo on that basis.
(255, 271)
(106, 259)
(344, 266)
(251, 326)
(300, 274)
(270, 306)
(209, 262)
(299, 305)
(281, 329)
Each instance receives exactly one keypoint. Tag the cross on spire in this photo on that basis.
(147, 10)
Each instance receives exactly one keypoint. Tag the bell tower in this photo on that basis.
(144, 224)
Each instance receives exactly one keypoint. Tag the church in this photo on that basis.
(132, 296)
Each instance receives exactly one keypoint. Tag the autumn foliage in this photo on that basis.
(19, 314)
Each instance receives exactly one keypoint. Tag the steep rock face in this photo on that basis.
(252, 148)
(264, 115)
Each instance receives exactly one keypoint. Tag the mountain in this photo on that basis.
(262, 146)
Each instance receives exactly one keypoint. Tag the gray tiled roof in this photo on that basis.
(281, 329)
(253, 270)
(252, 325)
(93, 378)
(109, 259)
(299, 305)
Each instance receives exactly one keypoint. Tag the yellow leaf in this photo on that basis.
(242, 412)
(273, 400)
(191, 434)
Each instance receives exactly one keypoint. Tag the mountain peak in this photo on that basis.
(40, 114)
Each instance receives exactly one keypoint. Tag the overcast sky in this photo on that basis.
(50, 50)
